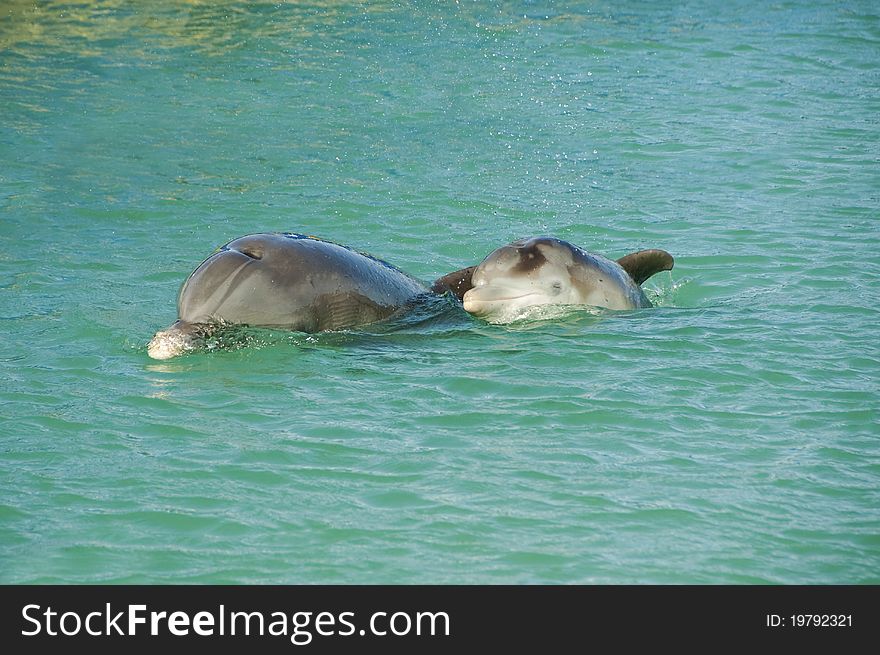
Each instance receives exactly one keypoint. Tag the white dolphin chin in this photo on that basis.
(501, 312)
(501, 305)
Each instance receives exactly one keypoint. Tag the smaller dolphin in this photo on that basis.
(549, 271)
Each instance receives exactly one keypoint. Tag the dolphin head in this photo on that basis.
(523, 274)
(255, 279)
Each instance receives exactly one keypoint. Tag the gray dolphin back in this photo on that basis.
(293, 282)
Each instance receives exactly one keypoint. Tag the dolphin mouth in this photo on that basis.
(480, 299)
(504, 298)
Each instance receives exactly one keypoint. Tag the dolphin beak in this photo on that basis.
(486, 298)
(471, 304)
(175, 340)
(168, 343)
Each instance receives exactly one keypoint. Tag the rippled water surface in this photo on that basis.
(728, 435)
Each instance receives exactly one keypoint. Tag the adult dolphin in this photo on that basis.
(549, 271)
(284, 280)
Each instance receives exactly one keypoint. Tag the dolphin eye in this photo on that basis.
(556, 286)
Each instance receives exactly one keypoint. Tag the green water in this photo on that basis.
(728, 435)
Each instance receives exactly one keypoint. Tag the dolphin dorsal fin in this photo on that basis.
(458, 282)
(643, 264)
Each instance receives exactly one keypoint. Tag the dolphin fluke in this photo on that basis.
(643, 264)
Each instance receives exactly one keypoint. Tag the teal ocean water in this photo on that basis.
(727, 435)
